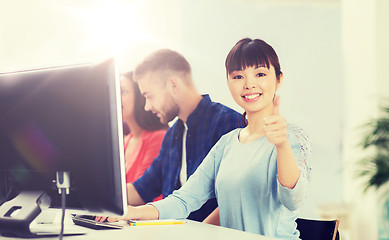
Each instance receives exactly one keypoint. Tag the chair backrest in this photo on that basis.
(311, 229)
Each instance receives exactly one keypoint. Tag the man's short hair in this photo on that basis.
(164, 61)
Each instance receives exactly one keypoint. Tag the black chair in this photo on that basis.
(311, 229)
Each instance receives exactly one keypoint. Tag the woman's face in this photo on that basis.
(254, 88)
(127, 94)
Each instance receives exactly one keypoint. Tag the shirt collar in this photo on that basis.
(196, 116)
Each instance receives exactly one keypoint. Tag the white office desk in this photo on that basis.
(188, 231)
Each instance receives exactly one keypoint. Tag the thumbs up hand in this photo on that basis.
(275, 125)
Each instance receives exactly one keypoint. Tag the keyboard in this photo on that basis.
(89, 222)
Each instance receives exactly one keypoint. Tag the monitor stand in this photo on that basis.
(17, 214)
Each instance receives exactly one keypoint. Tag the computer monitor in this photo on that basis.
(64, 119)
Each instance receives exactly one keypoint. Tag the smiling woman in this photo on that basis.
(254, 75)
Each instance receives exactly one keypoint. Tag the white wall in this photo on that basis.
(382, 47)
(360, 106)
(307, 36)
(366, 54)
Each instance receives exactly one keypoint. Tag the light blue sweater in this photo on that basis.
(243, 177)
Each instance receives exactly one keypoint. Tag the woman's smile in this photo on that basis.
(251, 97)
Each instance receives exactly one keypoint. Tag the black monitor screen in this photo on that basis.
(64, 119)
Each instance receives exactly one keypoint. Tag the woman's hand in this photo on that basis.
(275, 125)
(144, 212)
(130, 212)
(100, 219)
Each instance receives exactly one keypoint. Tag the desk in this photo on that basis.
(188, 231)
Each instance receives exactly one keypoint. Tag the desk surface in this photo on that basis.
(188, 231)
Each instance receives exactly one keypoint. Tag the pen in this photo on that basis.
(155, 223)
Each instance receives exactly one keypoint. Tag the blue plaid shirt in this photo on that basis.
(207, 123)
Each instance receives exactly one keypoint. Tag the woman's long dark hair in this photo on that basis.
(249, 52)
(145, 119)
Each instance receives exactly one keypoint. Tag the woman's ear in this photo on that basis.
(279, 81)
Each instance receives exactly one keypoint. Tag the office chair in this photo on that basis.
(311, 229)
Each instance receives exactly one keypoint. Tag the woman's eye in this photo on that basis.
(261, 74)
(123, 92)
(237, 77)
